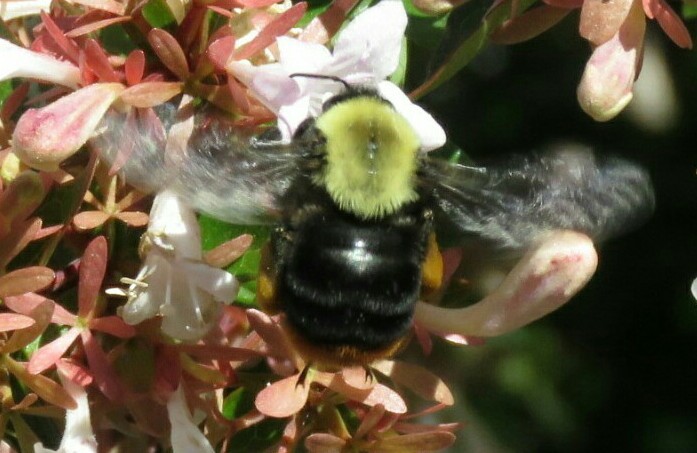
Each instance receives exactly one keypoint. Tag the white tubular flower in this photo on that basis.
(12, 9)
(366, 52)
(20, 62)
(78, 436)
(173, 281)
(185, 435)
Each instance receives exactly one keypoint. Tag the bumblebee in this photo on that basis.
(356, 210)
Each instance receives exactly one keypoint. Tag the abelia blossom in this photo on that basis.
(365, 53)
(545, 278)
(174, 282)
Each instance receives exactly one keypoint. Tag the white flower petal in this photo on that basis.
(300, 56)
(188, 312)
(20, 62)
(78, 436)
(11, 9)
(430, 133)
(693, 288)
(218, 283)
(186, 437)
(373, 40)
(175, 222)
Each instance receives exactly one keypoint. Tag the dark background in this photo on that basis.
(613, 369)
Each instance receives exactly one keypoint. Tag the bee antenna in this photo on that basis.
(322, 76)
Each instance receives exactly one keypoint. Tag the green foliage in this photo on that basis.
(158, 14)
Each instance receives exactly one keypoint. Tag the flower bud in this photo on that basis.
(606, 86)
(47, 136)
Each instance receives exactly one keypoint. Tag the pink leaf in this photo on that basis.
(98, 62)
(324, 443)
(113, 325)
(170, 52)
(419, 380)
(378, 394)
(151, 94)
(25, 303)
(92, 269)
(270, 332)
(14, 321)
(97, 25)
(601, 20)
(21, 234)
(528, 25)
(279, 26)
(219, 52)
(370, 421)
(22, 337)
(71, 49)
(215, 352)
(43, 386)
(89, 220)
(283, 398)
(227, 252)
(134, 67)
(133, 219)
(48, 354)
(416, 443)
(104, 374)
(75, 372)
(357, 377)
(110, 6)
(26, 280)
(671, 23)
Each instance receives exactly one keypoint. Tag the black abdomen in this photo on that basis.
(343, 281)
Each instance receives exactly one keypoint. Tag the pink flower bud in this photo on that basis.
(607, 82)
(45, 137)
(542, 281)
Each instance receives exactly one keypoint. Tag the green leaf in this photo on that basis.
(5, 90)
(258, 437)
(157, 13)
(314, 9)
(116, 40)
(689, 11)
(247, 294)
(466, 33)
(237, 403)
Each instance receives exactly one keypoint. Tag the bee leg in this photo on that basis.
(302, 377)
(432, 267)
(369, 374)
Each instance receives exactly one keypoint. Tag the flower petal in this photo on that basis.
(185, 435)
(544, 279)
(44, 137)
(14, 9)
(430, 133)
(21, 62)
(220, 284)
(372, 41)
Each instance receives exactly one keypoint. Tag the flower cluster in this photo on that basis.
(175, 355)
(616, 32)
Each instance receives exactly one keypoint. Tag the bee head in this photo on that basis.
(368, 153)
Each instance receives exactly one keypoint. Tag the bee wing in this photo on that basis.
(227, 175)
(510, 205)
